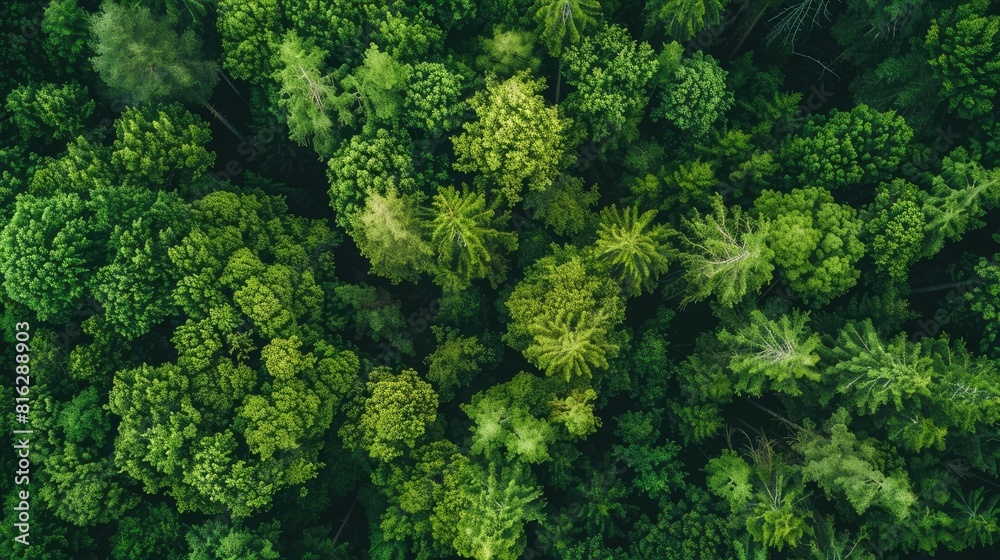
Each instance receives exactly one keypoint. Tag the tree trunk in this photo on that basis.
(223, 120)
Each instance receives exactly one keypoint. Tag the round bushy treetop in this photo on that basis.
(862, 146)
(815, 241)
(894, 225)
(516, 139)
(611, 74)
(695, 97)
(433, 101)
(393, 415)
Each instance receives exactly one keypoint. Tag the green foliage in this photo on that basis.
(393, 415)
(658, 472)
(496, 507)
(218, 540)
(510, 417)
(777, 354)
(516, 140)
(466, 241)
(694, 96)
(333, 24)
(67, 31)
(508, 52)
(141, 56)
(50, 112)
(454, 362)
(48, 253)
(369, 163)
(135, 287)
(433, 101)
(375, 315)
(249, 33)
(963, 50)
(846, 149)
(563, 22)
(985, 300)
(894, 228)
(564, 317)
(570, 345)
(379, 84)
(841, 462)
(873, 373)
(158, 531)
(815, 241)
(725, 254)
(162, 148)
(308, 96)
(409, 38)
(634, 249)
(564, 206)
(390, 234)
(576, 412)
(961, 195)
(765, 494)
(612, 76)
(190, 394)
(683, 19)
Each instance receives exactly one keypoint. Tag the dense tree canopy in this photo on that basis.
(500, 279)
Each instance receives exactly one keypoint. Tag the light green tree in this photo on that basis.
(873, 373)
(516, 140)
(634, 248)
(563, 22)
(775, 353)
(562, 286)
(309, 96)
(392, 416)
(141, 56)
(390, 234)
(841, 462)
(379, 83)
(765, 495)
(725, 254)
(570, 345)
(960, 196)
(508, 52)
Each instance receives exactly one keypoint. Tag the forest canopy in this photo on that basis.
(500, 279)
